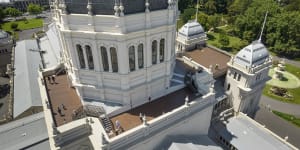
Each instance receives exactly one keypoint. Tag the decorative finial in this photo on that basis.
(210, 69)
(144, 120)
(262, 29)
(116, 8)
(212, 88)
(121, 8)
(187, 100)
(90, 8)
(63, 7)
(147, 6)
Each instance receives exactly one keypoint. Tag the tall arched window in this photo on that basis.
(80, 56)
(161, 50)
(114, 59)
(141, 55)
(104, 58)
(154, 52)
(131, 53)
(89, 56)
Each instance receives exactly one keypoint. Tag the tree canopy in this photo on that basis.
(34, 9)
(245, 17)
(13, 12)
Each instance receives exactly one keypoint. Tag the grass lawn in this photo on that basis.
(23, 25)
(235, 43)
(293, 70)
(290, 80)
(295, 92)
(288, 117)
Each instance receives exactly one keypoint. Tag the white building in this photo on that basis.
(247, 76)
(121, 52)
(190, 36)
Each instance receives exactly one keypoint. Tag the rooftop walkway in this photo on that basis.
(59, 95)
(153, 109)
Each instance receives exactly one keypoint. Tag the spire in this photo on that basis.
(196, 19)
(262, 29)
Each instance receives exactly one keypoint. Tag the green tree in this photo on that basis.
(213, 21)
(13, 12)
(184, 4)
(187, 14)
(203, 20)
(210, 7)
(14, 26)
(34, 9)
(223, 40)
(238, 7)
(2, 14)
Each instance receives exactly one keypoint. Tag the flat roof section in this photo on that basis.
(61, 93)
(209, 56)
(244, 133)
(153, 109)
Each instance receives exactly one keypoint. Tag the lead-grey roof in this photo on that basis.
(246, 134)
(191, 28)
(254, 54)
(106, 7)
(51, 45)
(26, 87)
(28, 133)
(187, 142)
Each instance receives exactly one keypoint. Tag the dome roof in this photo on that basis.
(254, 54)
(191, 28)
(3, 34)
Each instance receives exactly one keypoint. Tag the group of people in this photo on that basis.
(60, 109)
(119, 129)
(51, 79)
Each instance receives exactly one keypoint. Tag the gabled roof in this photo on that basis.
(51, 45)
(26, 87)
(254, 54)
(191, 28)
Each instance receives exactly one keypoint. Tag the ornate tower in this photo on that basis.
(246, 77)
(119, 51)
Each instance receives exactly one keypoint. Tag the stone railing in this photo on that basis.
(71, 132)
(140, 133)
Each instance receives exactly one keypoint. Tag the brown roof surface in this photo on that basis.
(208, 56)
(153, 109)
(60, 93)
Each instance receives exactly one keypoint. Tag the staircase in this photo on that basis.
(106, 123)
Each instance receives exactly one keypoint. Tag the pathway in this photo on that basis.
(288, 108)
(289, 61)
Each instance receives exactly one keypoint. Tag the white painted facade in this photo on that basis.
(244, 84)
(120, 32)
(190, 36)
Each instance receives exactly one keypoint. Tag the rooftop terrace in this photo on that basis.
(153, 109)
(60, 93)
(209, 56)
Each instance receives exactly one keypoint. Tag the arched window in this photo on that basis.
(141, 55)
(80, 56)
(104, 58)
(161, 50)
(154, 52)
(131, 53)
(228, 87)
(114, 59)
(89, 56)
